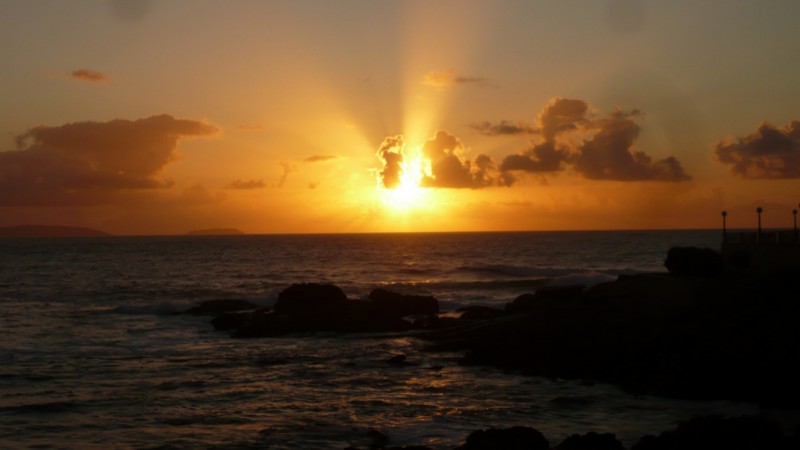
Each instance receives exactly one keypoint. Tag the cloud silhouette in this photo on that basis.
(769, 153)
(85, 162)
(502, 128)
(598, 149)
(544, 157)
(449, 77)
(448, 169)
(91, 76)
(391, 153)
(247, 184)
(609, 155)
(287, 169)
(319, 158)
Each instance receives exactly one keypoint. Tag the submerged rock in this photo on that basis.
(310, 298)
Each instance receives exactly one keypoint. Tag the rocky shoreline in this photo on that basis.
(698, 433)
(700, 333)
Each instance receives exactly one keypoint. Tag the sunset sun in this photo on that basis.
(407, 194)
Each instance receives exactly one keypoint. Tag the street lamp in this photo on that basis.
(759, 210)
(725, 225)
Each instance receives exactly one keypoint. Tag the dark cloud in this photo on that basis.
(319, 158)
(544, 157)
(449, 77)
(391, 153)
(561, 115)
(609, 155)
(91, 76)
(605, 153)
(450, 170)
(503, 128)
(87, 162)
(770, 152)
(247, 184)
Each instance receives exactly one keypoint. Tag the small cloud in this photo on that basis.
(769, 153)
(449, 77)
(89, 76)
(319, 158)
(391, 153)
(250, 127)
(503, 128)
(247, 184)
(287, 169)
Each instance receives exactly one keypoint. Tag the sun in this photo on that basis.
(408, 194)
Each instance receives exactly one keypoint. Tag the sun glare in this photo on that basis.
(408, 194)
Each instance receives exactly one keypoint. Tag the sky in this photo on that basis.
(160, 117)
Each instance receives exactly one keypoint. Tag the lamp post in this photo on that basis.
(725, 225)
(759, 210)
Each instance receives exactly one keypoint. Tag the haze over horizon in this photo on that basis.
(325, 117)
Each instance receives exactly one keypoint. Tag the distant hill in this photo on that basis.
(48, 231)
(215, 232)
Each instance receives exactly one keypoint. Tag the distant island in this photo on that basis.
(48, 231)
(215, 232)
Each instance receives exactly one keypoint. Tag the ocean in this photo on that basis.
(93, 354)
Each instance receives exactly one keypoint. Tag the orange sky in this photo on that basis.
(313, 116)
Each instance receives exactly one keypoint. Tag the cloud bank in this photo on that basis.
(769, 153)
(87, 162)
(597, 149)
(247, 184)
(449, 169)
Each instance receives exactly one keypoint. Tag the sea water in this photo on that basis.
(93, 354)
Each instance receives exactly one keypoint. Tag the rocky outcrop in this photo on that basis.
(676, 336)
(313, 308)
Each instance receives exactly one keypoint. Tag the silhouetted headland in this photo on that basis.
(48, 231)
(216, 232)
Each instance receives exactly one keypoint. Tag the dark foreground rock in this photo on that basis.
(677, 336)
(699, 433)
(514, 438)
(313, 308)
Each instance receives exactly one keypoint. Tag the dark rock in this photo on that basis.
(694, 262)
(220, 306)
(479, 312)
(591, 441)
(394, 304)
(514, 438)
(310, 297)
(545, 296)
(712, 432)
(397, 360)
